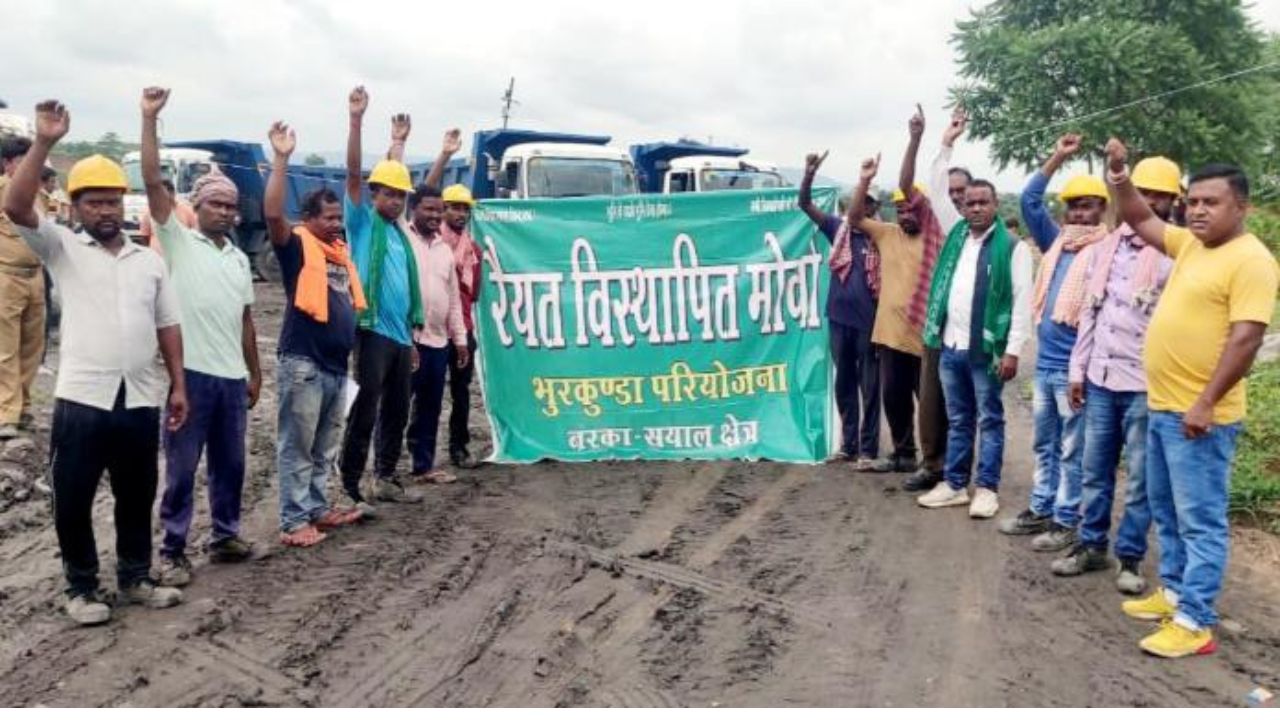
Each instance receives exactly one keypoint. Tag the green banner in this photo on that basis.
(655, 327)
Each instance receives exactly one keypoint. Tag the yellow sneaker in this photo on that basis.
(1174, 641)
(1152, 607)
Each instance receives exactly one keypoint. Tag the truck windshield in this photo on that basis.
(740, 179)
(574, 177)
(133, 171)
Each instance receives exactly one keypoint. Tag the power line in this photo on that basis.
(1149, 98)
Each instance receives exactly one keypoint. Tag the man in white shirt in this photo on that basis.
(118, 311)
(979, 317)
(944, 179)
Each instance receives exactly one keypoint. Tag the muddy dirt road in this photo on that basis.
(617, 584)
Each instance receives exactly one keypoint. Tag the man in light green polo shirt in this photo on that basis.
(212, 279)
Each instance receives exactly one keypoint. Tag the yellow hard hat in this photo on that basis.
(1083, 186)
(392, 174)
(899, 196)
(96, 171)
(1158, 173)
(458, 194)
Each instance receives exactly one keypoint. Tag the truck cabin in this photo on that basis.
(705, 174)
(559, 170)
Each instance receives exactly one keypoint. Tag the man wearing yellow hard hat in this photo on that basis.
(384, 353)
(1053, 512)
(466, 255)
(1107, 380)
(110, 388)
(22, 324)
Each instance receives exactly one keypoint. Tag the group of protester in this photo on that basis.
(367, 284)
(1144, 332)
(1144, 335)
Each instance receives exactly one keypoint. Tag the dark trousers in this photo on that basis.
(383, 367)
(857, 390)
(86, 441)
(428, 397)
(933, 413)
(219, 409)
(900, 384)
(460, 397)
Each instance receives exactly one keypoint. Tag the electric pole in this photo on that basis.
(508, 99)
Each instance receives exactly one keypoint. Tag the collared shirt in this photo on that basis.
(960, 304)
(850, 302)
(213, 285)
(442, 305)
(465, 252)
(112, 305)
(1210, 289)
(1108, 348)
(12, 251)
(394, 306)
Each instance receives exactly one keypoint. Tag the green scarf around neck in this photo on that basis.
(998, 313)
(373, 283)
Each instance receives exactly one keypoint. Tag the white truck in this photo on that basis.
(181, 165)
(690, 166)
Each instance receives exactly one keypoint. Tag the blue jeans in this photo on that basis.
(428, 396)
(215, 427)
(974, 411)
(1187, 486)
(1112, 420)
(309, 428)
(1059, 441)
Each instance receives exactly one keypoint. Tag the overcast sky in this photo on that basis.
(780, 78)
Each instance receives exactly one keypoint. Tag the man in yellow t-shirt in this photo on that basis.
(1201, 343)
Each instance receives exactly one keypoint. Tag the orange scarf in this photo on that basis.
(312, 293)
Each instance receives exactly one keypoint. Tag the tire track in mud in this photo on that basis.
(606, 658)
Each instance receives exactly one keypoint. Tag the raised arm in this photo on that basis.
(283, 142)
(1131, 207)
(940, 171)
(158, 202)
(401, 126)
(53, 120)
(812, 162)
(451, 145)
(907, 173)
(357, 103)
(1035, 213)
(858, 203)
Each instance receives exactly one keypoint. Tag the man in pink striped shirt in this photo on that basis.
(442, 326)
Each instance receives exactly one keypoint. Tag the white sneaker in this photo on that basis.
(943, 495)
(985, 504)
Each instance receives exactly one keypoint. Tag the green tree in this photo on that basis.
(314, 160)
(1027, 64)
